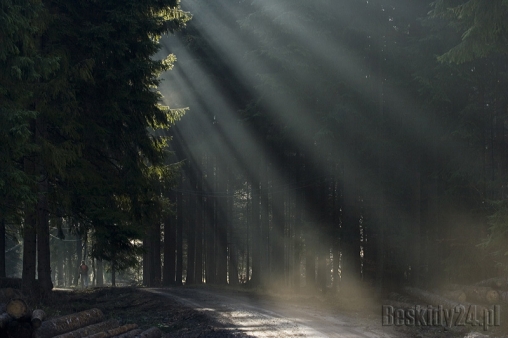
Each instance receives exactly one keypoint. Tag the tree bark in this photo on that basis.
(131, 334)
(2, 247)
(43, 251)
(179, 235)
(114, 331)
(494, 282)
(233, 258)
(113, 274)
(38, 317)
(79, 253)
(87, 331)
(67, 323)
(168, 273)
(477, 293)
(220, 226)
(191, 234)
(256, 234)
(100, 273)
(199, 234)
(29, 253)
(152, 332)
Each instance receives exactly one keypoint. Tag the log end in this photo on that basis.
(18, 309)
(492, 296)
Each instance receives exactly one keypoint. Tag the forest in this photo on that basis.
(325, 145)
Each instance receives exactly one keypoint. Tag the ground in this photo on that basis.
(206, 311)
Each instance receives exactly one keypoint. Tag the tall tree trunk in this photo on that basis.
(416, 216)
(69, 265)
(2, 247)
(256, 234)
(199, 231)
(42, 219)
(278, 218)
(210, 222)
(60, 256)
(233, 261)
(29, 241)
(179, 234)
(113, 274)
(221, 228)
(298, 223)
(263, 229)
(156, 254)
(191, 236)
(169, 270)
(79, 254)
(100, 273)
(147, 268)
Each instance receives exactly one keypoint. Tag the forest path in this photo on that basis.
(262, 316)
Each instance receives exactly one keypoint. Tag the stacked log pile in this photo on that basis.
(90, 324)
(486, 292)
(17, 319)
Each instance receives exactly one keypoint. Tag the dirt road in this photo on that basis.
(253, 315)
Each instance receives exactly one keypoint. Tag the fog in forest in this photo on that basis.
(329, 146)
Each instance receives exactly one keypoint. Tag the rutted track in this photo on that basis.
(257, 316)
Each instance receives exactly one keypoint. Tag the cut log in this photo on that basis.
(430, 298)
(67, 323)
(115, 331)
(437, 300)
(152, 332)
(37, 318)
(398, 304)
(131, 334)
(503, 296)
(89, 330)
(495, 283)
(457, 295)
(6, 294)
(18, 309)
(5, 319)
(401, 298)
(480, 294)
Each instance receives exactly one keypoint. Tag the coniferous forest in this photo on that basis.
(306, 145)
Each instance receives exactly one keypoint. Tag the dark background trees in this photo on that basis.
(353, 152)
(327, 146)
